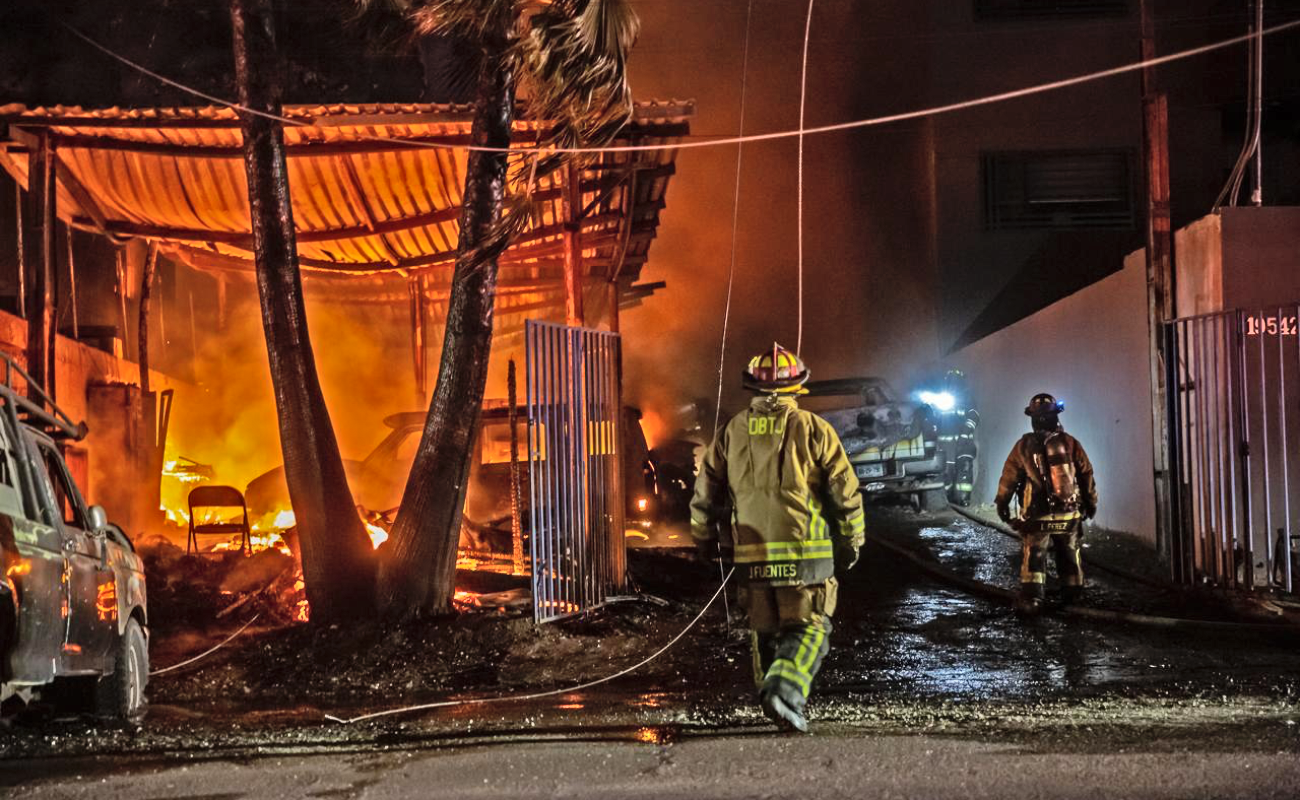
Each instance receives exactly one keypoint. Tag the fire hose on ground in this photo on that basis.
(1008, 597)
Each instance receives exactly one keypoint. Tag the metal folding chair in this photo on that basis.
(219, 497)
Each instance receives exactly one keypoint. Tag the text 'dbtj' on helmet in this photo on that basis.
(1042, 405)
(775, 370)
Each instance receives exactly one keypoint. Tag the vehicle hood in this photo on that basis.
(875, 427)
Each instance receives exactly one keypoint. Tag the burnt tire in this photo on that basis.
(933, 499)
(120, 696)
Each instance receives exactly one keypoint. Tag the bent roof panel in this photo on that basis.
(368, 196)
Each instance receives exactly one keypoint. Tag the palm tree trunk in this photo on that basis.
(337, 559)
(418, 569)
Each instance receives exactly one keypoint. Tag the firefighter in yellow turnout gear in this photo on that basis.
(796, 516)
(1050, 475)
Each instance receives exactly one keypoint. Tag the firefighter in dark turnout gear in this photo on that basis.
(782, 477)
(1049, 474)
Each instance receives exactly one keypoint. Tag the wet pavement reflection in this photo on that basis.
(901, 631)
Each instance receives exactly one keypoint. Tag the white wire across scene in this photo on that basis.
(729, 140)
(514, 698)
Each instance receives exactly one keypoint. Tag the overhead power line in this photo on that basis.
(931, 111)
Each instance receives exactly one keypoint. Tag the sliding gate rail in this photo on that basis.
(574, 407)
(1234, 424)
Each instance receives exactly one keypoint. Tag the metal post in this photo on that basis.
(1241, 442)
(516, 522)
(1176, 423)
(1203, 457)
(1263, 408)
(1229, 325)
(72, 285)
(39, 241)
(22, 259)
(419, 347)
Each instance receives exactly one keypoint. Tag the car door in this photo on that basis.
(91, 587)
(36, 568)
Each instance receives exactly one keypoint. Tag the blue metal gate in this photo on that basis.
(572, 394)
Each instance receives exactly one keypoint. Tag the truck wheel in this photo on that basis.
(934, 499)
(120, 696)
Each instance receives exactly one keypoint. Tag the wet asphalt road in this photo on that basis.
(927, 692)
(833, 764)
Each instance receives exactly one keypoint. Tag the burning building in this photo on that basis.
(148, 214)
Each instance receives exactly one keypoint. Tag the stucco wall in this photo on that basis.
(77, 368)
(1090, 350)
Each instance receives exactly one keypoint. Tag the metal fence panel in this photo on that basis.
(1234, 419)
(574, 408)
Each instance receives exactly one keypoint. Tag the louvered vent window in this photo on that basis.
(1075, 189)
(1046, 9)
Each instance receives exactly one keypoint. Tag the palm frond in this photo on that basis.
(573, 63)
(478, 20)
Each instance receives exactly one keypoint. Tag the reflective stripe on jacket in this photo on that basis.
(791, 489)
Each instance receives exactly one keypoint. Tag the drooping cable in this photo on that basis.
(207, 652)
(1257, 197)
(731, 266)
(803, 102)
(735, 217)
(477, 701)
(728, 140)
(1231, 192)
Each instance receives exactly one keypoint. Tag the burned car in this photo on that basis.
(892, 443)
(72, 593)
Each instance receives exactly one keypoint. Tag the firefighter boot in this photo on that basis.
(1030, 601)
(783, 703)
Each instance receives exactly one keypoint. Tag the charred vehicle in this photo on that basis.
(72, 595)
(378, 481)
(892, 443)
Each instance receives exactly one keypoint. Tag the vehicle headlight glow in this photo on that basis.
(943, 401)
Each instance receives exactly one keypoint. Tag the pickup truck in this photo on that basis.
(72, 591)
(893, 444)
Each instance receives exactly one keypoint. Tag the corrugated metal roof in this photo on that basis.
(368, 198)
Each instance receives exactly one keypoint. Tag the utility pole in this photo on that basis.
(572, 203)
(1160, 281)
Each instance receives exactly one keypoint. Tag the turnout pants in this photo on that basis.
(790, 629)
(1034, 542)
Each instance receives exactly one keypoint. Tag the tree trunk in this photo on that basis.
(337, 559)
(418, 570)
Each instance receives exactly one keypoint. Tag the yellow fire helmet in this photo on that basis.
(775, 370)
